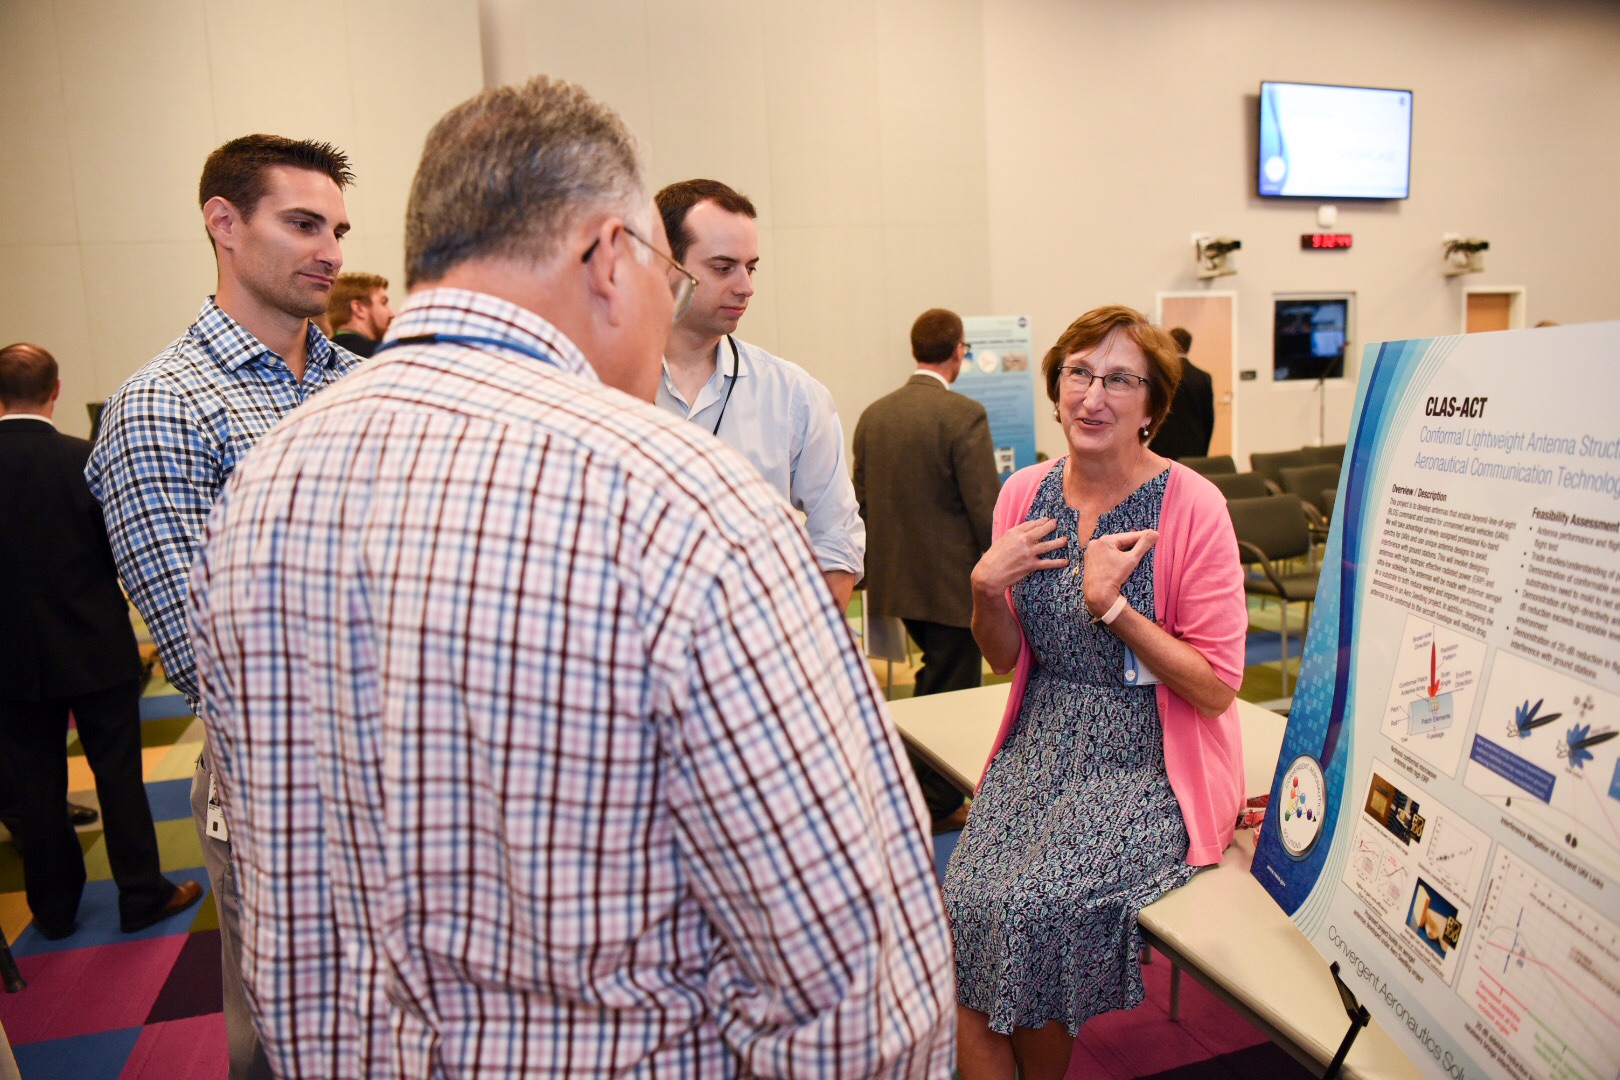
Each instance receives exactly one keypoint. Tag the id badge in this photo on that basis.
(1136, 673)
(216, 827)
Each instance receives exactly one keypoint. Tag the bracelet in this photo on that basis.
(1113, 611)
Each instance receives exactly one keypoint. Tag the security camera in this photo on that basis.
(1211, 253)
(1463, 255)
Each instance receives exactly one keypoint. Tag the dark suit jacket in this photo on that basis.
(925, 479)
(358, 344)
(64, 625)
(1187, 430)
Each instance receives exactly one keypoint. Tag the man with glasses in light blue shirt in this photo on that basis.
(772, 411)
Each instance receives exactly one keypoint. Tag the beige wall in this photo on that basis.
(856, 126)
(1117, 131)
(995, 156)
(108, 109)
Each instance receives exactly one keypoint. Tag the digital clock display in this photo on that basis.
(1324, 241)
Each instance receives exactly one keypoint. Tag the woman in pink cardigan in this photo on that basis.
(1113, 590)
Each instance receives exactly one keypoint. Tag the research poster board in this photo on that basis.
(1000, 373)
(1445, 818)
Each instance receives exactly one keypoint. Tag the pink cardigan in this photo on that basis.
(1198, 598)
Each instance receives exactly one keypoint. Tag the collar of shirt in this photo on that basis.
(232, 346)
(934, 375)
(713, 390)
(462, 313)
(28, 416)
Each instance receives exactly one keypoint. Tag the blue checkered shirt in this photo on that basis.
(544, 748)
(169, 438)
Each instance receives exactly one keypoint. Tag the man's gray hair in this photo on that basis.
(508, 172)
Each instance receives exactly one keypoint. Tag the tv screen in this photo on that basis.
(1335, 142)
(1310, 339)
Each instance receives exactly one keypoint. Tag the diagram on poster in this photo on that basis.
(1417, 865)
(1539, 972)
(1545, 752)
(1432, 692)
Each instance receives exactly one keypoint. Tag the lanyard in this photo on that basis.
(736, 362)
(470, 339)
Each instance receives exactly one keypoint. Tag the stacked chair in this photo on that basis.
(1211, 466)
(1273, 536)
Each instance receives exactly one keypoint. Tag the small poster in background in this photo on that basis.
(1445, 820)
(1000, 373)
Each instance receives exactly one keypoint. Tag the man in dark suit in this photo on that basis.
(68, 648)
(926, 484)
(1187, 430)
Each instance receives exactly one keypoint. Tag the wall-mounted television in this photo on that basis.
(1309, 338)
(1334, 142)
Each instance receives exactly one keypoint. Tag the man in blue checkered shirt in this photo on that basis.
(175, 431)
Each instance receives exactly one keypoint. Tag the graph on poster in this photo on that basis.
(1540, 971)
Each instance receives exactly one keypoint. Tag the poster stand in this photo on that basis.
(1358, 1015)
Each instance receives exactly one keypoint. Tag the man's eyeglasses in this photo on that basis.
(681, 290)
(1115, 382)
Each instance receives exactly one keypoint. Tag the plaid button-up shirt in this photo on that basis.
(544, 749)
(169, 438)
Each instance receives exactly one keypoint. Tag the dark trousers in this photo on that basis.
(951, 660)
(33, 738)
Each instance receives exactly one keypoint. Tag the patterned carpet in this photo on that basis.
(103, 1004)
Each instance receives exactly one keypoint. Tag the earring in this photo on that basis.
(1145, 430)
(1055, 415)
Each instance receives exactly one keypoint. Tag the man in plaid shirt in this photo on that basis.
(174, 432)
(545, 751)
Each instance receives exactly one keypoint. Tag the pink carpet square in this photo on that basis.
(189, 1049)
(81, 991)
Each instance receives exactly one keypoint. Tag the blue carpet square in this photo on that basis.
(1265, 647)
(170, 799)
(162, 708)
(101, 1056)
(98, 920)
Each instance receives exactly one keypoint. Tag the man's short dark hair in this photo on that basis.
(935, 336)
(28, 375)
(238, 172)
(1182, 339)
(677, 200)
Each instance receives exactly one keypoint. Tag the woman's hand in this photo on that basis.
(1016, 555)
(1110, 560)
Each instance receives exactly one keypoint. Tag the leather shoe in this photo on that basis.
(54, 933)
(185, 894)
(82, 815)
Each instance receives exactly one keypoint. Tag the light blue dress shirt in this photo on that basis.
(785, 423)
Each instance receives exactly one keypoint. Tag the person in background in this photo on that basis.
(773, 411)
(1113, 590)
(545, 754)
(358, 312)
(70, 650)
(10, 816)
(926, 484)
(1187, 430)
(176, 430)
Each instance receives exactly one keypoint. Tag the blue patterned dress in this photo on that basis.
(1075, 827)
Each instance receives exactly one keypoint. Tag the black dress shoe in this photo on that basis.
(185, 894)
(54, 933)
(82, 815)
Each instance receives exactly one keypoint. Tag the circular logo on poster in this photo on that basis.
(988, 360)
(1304, 803)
